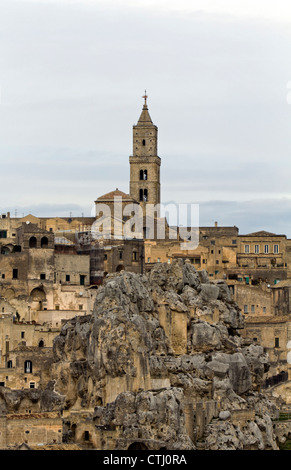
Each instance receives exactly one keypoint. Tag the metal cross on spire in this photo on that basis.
(145, 97)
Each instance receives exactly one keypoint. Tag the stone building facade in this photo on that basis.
(51, 269)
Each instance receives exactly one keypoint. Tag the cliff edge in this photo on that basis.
(161, 364)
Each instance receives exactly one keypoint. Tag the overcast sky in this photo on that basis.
(218, 79)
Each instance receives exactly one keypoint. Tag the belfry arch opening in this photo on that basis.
(143, 175)
(143, 195)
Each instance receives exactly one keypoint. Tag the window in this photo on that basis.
(105, 256)
(233, 242)
(266, 249)
(245, 309)
(217, 261)
(143, 195)
(277, 343)
(247, 248)
(82, 279)
(22, 334)
(143, 142)
(31, 385)
(68, 277)
(42, 276)
(159, 259)
(80, 307)
(143, 175)
(15, 274)
(57, 307)
(212, 242)
(257, 249)
(134, 256)
(3, 276)
(120, 254)
(44, 242)
(3, 233)
(276, 249)
(28, 367)
(253, 309)
(264, 309)
(149, 260)
(32, 242)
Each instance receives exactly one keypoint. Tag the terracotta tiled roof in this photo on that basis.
(116, 193)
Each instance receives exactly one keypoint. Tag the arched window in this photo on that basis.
(9, 364)
(119, 268)
(143, 175)
(143, 142)
(143, 195)
(44, 242)
(32, 242)
(41, 344)
(27, 367)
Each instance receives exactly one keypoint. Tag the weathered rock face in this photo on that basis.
(37, 400)
(160, 357)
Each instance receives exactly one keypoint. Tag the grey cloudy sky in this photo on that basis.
(218, 77)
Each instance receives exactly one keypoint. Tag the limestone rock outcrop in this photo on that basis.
(160, 364)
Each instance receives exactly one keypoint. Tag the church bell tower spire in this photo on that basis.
(145, 162)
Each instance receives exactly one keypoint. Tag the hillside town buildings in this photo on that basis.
(51, 267)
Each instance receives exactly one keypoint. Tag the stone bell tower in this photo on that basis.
(144, 162)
